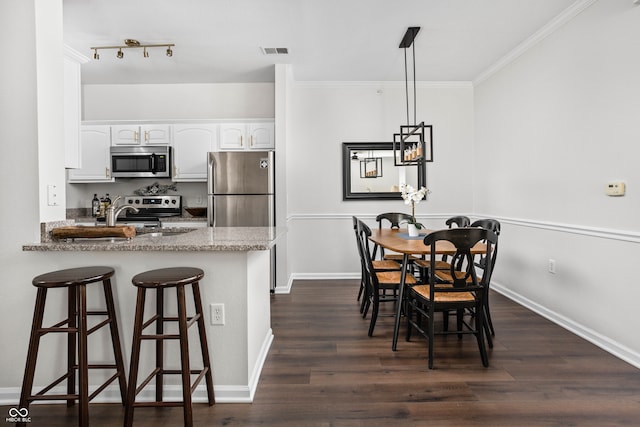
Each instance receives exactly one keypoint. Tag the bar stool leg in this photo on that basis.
(115, 338)
(72, 312)
(135, 357)
(83, 363)
(203, 343)
(184, 357)
(32, 352)
(159, 344)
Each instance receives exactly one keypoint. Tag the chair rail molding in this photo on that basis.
(604, 233)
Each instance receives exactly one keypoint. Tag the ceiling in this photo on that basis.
(219, 41)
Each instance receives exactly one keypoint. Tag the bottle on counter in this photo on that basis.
(103, 207)
(95, 205)
(107, 200)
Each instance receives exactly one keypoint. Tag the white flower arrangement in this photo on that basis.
(411, 197)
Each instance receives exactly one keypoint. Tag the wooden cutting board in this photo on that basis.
(79, 231)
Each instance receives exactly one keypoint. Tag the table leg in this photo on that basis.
(403, 276)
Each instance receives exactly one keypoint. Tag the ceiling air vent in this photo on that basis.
(275, 50)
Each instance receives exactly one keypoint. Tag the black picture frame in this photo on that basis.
(347, 194)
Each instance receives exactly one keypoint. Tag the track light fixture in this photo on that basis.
(133, 44)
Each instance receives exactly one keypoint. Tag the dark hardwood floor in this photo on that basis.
(323, 370)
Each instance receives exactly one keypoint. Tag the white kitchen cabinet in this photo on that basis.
(191, 143)
(72, 107)
(95, 141)
(147, 134)
(247, 136)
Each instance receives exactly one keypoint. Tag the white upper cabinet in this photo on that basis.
(95, 141)
(191, 143)
(247, 136)
(72, 107)
(141, 134)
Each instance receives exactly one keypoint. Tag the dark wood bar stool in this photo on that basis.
(77, 330)
(177, 277)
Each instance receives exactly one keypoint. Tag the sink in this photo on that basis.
(165, 232)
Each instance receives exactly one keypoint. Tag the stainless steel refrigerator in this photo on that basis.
(240, 189)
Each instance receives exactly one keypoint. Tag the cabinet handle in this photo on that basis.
(175, 171)
(135, 135)
(241, 142)
(251, 141)
(146, 136)
(107, 172)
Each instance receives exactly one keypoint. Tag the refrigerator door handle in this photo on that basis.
(211, 216)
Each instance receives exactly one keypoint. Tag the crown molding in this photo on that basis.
(551, 27)
(382, 85)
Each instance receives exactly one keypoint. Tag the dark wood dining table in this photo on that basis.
(398, 240)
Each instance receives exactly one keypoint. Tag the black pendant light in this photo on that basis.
(410, 145)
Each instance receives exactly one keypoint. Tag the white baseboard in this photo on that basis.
(223, 393)
(605, 343)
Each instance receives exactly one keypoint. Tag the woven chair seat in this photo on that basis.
(393, 278)
(440, 265)
(399, 257)
(443, 297)
(385, 264)
(445, 276)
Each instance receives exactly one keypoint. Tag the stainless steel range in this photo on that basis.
(150, 210)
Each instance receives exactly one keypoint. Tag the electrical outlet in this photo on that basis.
(552, 266)
(217, 314)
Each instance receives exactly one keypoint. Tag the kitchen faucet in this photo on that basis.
(112, 213)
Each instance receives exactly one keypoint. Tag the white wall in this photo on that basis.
(324, 115)
(552, 128)
(20, 120)
(178, 101)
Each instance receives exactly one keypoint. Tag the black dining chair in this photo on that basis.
(378, 282)
(481, 263)
(394, 220)
(464, 289)
(494, 226)
(424, 265)
(378, 265)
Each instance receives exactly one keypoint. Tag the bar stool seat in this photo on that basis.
(75, 280)
(159, 280)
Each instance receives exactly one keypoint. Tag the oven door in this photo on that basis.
(140, 162)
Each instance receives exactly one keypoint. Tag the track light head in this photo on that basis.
(169, 51)
(145, 53)
(95, 54)
(120, 54)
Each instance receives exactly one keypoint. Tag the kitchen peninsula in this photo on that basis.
(236, 262)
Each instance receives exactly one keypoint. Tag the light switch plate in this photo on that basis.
(616, 188)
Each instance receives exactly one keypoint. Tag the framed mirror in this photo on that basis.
(369, 172)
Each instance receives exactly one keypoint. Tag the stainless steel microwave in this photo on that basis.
(141, 161)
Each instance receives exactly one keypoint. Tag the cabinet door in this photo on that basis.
(232, 136)
(125, 135)
(191, 143)
(72, 151)
(155, 134)
(96, 143)
(261, 136)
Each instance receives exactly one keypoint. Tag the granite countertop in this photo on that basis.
(92, 220)
(198, 239)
